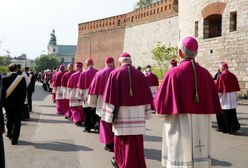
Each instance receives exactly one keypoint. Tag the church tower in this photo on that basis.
(52, 45)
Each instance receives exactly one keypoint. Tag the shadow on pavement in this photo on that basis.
(49, 114)
(152, 138)
(153, 154)
(56, 146)
(221, 163)
(45, 105)
(243, 131)
(49, 121)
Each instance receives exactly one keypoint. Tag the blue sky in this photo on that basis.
(26, 24)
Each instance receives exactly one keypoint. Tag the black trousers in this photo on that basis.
(2, 158)
(25, 112)
(29, 97)
(14, 116)
(44, 86)
(91, 119)
(228, 121)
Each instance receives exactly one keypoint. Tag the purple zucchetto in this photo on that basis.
(189, 47)
(124, 56)
(109, 60)
(79, 64)
(89, 61)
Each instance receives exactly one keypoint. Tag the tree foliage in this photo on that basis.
(163, 54)
(46, 62)
(143, 3)
(4, 62)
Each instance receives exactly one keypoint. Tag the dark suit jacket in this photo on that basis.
(31, 85)
(17, 97)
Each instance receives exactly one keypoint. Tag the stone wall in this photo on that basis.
(230, 47)
(140, 39)
(156, 11)
(107, 35)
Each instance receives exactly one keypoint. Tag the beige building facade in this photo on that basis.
(221, 28)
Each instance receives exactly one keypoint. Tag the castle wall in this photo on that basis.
(231, 47)
(107, 35)
(104, 43)
(140, 39)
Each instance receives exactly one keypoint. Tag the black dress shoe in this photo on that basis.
(79, 124)
(109, 148)
(9, 136)
(87, 130)
(14, 143)
(114, 163)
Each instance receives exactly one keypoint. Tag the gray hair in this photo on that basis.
(187, 53)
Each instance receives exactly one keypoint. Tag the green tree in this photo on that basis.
(46, 62)
(143, 3)
(4, 62)
(163, 54)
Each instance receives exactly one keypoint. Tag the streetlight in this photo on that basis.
(87, 37)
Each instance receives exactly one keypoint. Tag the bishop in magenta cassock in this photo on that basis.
(58, 89)
(152, 80)
(127, 103)
(227, 86)
(77, 115)
(185, 101)
(85, 79)
(96, 90)
(64, 82)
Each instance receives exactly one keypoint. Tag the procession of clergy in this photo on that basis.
(117, 101)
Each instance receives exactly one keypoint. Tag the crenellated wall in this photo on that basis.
(156, 11)
(107, 36)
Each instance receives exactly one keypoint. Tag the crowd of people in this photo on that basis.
(17, 88)
(116, 102)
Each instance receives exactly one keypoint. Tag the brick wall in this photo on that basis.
(107, 35)
(156, 11)
(109, 42)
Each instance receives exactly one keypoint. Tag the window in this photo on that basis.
(196, 28)
(233, 21)
(119, 22)
(212, 26)
(54, 50)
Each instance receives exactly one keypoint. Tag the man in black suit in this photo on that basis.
(2, 130)
(31, 87)
(13, 97)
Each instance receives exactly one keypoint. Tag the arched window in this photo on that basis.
(212, 26)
